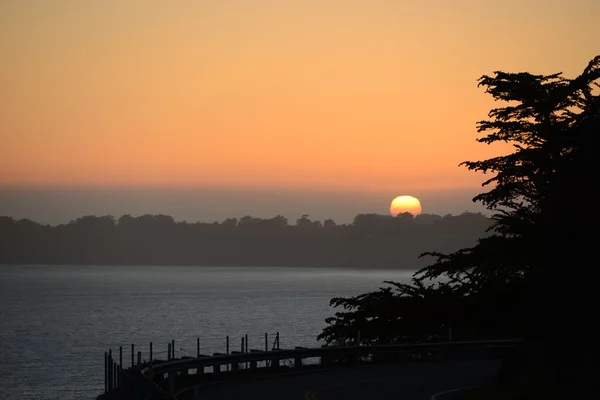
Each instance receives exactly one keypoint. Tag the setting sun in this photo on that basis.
(402, 204)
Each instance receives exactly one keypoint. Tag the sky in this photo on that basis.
(209, 109)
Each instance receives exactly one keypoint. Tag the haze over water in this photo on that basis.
(56, 322)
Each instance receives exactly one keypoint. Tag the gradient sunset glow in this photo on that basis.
(349, 96)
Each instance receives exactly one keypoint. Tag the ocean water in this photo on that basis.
(56, 322)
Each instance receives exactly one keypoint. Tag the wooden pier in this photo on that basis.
(183, 378)
(122, 382)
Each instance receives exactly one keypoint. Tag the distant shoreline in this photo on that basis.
(2, 265)
(372, 242)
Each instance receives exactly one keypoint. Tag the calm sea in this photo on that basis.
(57, 321)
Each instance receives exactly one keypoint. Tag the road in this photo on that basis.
(415, 381)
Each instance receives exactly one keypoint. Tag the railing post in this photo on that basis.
(357, 338)
(121, 355)
(110, 373)
(173, 348)
(105, 372)
(277, 339)
(132, 354)
(197, 347)
(266, 341)
(115, 385)
(122, 377)
(227, 349)
(168, 351)
(150, 353)
(116, 375)
(111, 370)
(246, 344)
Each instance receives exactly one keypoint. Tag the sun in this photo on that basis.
(402, 204)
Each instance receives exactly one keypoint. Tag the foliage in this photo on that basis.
(538, 195)
(159, 239)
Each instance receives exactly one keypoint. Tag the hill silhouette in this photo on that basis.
(371, 241)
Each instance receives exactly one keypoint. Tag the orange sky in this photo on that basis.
(374, 95)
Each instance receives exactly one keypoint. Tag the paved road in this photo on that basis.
(415, 381)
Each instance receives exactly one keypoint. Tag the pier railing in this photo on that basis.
(183, 378)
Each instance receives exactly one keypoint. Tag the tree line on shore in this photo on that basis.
(371, 241)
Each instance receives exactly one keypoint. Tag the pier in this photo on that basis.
(188, 376)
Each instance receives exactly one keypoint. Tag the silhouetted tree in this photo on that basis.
(230, 223)
(540, 194)
(427, 218)
(540, 188)
(305, 223)
(278, 222)
(329, 224)
(532, 272)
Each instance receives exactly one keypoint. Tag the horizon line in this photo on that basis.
(248, 215)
